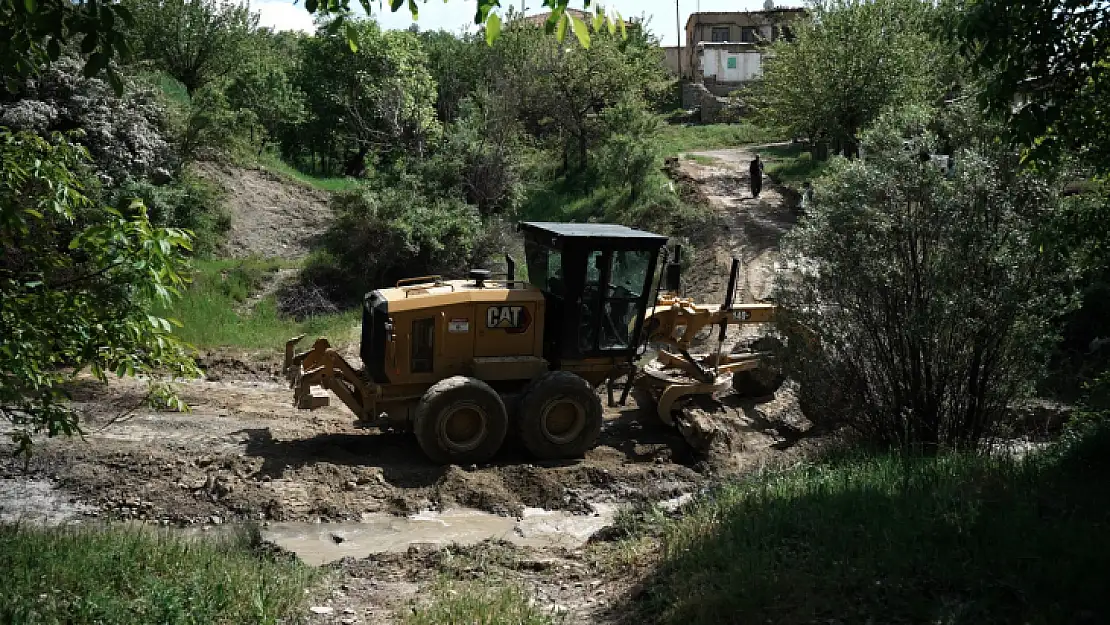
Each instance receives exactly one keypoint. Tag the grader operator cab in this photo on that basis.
(460, 362)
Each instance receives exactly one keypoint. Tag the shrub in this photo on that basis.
(383, 234)
(188, 202)
(926, 297)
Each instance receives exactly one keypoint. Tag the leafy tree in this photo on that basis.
(459, 65)
(560, 91)
(78, 283)
(924, 305)
(1052, 57)
(849, 61)
(482, 156)
(195, 41)
(376, 98)
(265, 89)
(627, 156)
(390, 231)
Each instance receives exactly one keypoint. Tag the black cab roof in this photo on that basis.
(557, 230)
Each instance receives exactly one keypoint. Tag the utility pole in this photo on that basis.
(678, 34)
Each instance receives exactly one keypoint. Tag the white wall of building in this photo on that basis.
(726, 66)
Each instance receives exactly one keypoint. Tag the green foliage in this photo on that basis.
(398, 230)
(378, 98)
(225, 306)
(35, 32)
(208, 125)
(850, 61)
(627, 155)
(1052, 57)
(198, 42)
(189, 202)
(560, 92)
(78, 284)
(480, 605)
(264, 88)
(131, 575)
(952, 539)
(482, 156)
(459, 65)
(925, 300)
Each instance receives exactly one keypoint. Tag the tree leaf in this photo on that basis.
(561, 28)
(352, 37)
(580, 30)
(31, 5)
(493, 28)
(395, 4)
(53, 49)
(414, 9)
(311, 5)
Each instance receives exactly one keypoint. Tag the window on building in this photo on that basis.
(720, 34)
(748, 35)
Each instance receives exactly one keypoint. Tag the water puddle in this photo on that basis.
(319, 543)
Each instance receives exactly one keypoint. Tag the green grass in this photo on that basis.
(955, 539)
(273, 163)
(790, 164)
(476, 604)
(676, 138)
(215, 311)
(132, 575)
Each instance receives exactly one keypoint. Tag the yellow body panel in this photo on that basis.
(467, 323)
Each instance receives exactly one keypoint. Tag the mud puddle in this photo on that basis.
(320, 543)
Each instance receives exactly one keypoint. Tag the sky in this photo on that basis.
(456, 15)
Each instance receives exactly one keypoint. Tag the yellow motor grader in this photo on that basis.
(460, 362)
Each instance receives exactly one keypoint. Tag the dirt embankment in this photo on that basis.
(271, 216)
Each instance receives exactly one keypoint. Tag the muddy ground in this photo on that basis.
(244, 453)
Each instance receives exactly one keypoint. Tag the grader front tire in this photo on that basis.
(460, 420)
(560, 416)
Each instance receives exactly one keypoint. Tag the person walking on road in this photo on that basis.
(757, 176)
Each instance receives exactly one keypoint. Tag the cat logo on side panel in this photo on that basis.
(512, 319)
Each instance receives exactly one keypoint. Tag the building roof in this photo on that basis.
(716, 15)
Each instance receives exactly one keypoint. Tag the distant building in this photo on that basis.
(725, 50)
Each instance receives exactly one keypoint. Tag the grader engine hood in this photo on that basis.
(429, 327)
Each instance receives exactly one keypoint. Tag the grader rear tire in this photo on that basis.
(560, 416)
(460, 420)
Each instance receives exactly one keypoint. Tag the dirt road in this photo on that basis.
(746, 227)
